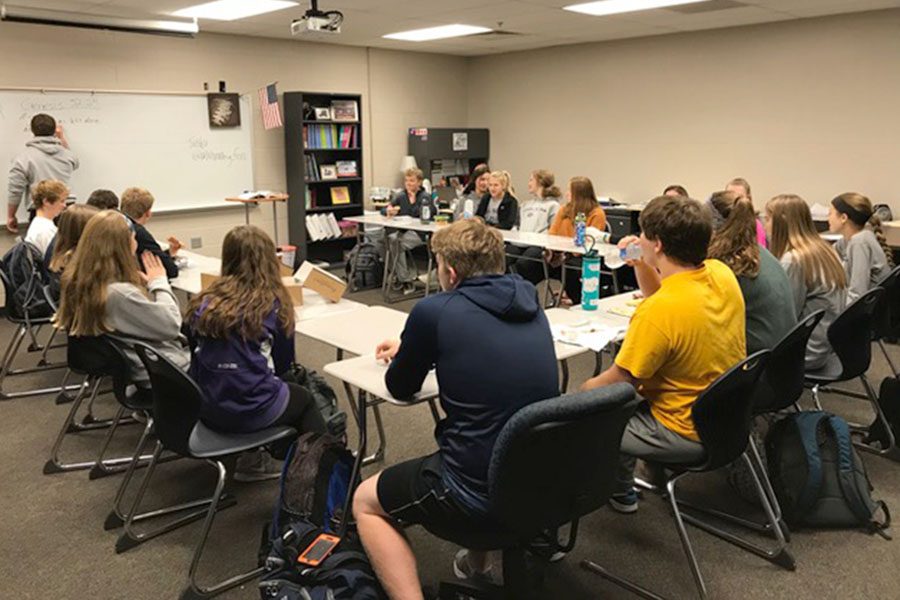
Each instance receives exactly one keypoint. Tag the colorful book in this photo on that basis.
(340, 195)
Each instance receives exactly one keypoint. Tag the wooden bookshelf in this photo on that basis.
(302, 135)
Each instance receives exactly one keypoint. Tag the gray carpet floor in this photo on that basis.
(53, 544)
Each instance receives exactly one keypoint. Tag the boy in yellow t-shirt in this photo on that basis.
(685, 334)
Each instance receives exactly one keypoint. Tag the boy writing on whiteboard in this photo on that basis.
(47, 156)
(136, 205)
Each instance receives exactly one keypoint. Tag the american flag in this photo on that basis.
(268, 103)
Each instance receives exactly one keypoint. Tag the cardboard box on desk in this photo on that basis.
(321, 281)
(294, 289)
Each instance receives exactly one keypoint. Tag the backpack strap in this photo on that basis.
(847, 479)
(807, 423)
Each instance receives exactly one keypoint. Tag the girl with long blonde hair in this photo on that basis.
(71, 225)
(813, 268)
(768, 297)
(863, 249)
(104, 292)
(242, 332)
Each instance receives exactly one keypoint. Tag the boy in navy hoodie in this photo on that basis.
(481, 334)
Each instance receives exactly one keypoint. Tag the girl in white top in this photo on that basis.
(49, 197)
(864, 251)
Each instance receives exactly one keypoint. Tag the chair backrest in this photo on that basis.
(850, 334)
(176, 400)
(723, 411)
(887, 313)
(781, 383)
(92, 355)
(556, 460)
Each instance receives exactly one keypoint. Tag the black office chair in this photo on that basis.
(850, 336)
(887, 313)
(176, 414)
(553, 462)
(779, 388)
(28, 324)
(722, 416)
(91, 358)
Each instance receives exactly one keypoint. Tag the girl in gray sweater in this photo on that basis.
(863, 249)
(535, 216)
(103, 292)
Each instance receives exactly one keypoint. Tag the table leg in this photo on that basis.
(275, 220)
(564, 387)
(428, 273)
(246, 213)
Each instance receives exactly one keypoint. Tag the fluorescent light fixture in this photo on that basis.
(613, 7)
(231, 10)
(21, 14)
(436, 33)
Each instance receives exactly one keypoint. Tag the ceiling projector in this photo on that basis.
(315, 21)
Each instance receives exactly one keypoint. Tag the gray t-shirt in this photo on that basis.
(864, 261)
(769, 302)
(808, 300)
(491, 217)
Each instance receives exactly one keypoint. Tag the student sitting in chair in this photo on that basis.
(741, 187)
(137, 205)
(768, 297)
(474, 191)
(49, 198)
(407, 203)
(481, 335)
(499, 206)
(104, 292)
(103, 200)
(863, 249)
(687, 332)
(71, 225)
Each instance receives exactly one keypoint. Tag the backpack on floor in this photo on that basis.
(314, 499)
(818, 477)
(345, 574)
(364, 267)
(889, 401)
(323, 394)
(24, 268)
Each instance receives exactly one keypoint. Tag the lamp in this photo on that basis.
(408, 162)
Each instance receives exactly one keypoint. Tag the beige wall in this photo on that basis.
(809, 107)
(400, 90)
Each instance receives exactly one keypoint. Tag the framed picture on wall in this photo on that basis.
(224, 110)
(328, 172)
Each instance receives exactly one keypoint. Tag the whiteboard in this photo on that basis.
(159, 142)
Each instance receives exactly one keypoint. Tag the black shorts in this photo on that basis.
(414, 493)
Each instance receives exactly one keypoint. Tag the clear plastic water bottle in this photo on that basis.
(615, 257)
(468, 209)
(580, 226)
(425, 214)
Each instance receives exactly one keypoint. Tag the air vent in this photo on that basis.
(705, 7)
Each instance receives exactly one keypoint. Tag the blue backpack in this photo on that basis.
(24, 269)
(315, 499)
(818, 477)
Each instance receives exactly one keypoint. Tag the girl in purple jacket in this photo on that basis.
(242, 334)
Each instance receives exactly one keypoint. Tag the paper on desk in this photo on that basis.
(587, 335)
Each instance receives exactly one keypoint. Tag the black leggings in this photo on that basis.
(302, 414)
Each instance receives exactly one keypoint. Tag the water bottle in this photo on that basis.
(580, 226)
(425, 213)
(615, 257)
(590, 281)
(468, 209)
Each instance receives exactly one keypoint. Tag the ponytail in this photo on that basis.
(546, 180)
(875, 224)
(734, 243)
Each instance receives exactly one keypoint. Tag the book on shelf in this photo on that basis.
(346, 168)
(340, 194)
(310, 198)
(322, 226)
(330, 136)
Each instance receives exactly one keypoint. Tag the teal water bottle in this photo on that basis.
(590, 280)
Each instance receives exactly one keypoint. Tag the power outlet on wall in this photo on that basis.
(196, 243)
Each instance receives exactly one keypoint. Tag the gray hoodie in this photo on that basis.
(44, 158)
(537, 214)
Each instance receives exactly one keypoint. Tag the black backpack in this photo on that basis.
(889, 401)
(364, 267)
(23, 267)
(315, 499)
(818, 477)
(323, 394)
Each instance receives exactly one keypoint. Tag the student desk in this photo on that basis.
(315, 306)
(273, 199)
(366, 374)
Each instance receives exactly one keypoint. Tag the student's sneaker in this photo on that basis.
(409, 288)
(257, 466)
(465, 571)
(626, 503)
